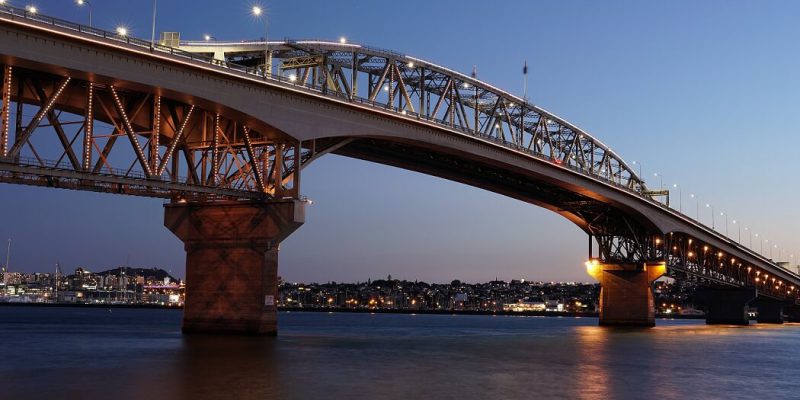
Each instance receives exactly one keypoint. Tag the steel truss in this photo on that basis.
(416, 88)
(63, 131)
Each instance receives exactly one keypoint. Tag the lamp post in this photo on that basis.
(640, 168)
(696, 206)
(739, 235)
(153, 32)
(89, 6)
(708, 205)
(750, 233)
(660, 180)
(257, 11)
(722, 214)
(680, 197)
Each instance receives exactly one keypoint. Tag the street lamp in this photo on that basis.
(89, 6)
(680, 197)
(257, 11)
(722, 214)
(660, 180)
(640, 168)
(750, 233)
(32, 9)
(122, 31)
(739, 227)
(696, 206)
(712, 214)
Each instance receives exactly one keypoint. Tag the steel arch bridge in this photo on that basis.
(204, 122)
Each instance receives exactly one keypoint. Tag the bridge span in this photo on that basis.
(224, 130)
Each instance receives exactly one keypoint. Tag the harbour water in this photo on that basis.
(83, 353)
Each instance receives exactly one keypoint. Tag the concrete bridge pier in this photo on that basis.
(792, 312)
(770, 311)
(728, 305)
(626, 292)
(232, 262)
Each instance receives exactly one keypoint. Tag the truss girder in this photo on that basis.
(421, 89)
(54, 127)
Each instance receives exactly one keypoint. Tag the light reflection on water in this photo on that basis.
(140, 354)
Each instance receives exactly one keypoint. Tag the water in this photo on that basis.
(80, 353)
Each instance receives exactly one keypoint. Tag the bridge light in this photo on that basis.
(410, 64)
(292, 78)
(749, 268)
(32, 9)
(386, 87)
(658, 241)
(757, 280)
(122, 31)
(404, 112)
(257, 11)
(691, 254)
(465, 85)
(342, 40)
(207, 37)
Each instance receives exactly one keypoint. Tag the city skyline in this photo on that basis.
(390, 221)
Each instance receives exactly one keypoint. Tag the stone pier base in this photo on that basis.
(232, 262)
(728, 306)
(769, 311)
(626, 293)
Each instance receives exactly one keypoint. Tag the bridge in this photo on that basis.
(224, 130)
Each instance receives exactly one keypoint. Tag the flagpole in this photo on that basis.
(525, 81)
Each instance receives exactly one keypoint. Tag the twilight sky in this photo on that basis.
(703, 93)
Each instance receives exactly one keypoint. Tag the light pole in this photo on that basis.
(696, 206)
(640, 168)
(739, 227)
(761, 245)
(680, 197)
(712, 214)
(153, 32)
(750, 233)
(660, 180)
(257, 11)
(722, 214)
(89, 6)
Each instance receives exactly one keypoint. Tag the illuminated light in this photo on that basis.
(257, 10)
(705, 248)
(404, 112)
(691, 254)
(690, 241)
(32, 9)
(410, 64)
(497, 126)
(674, 248)
(386, 87)
(511, 104)
(593, 268)
(342, 40)
(658, 241)
(757, 279)
(122, 31)
(719, 254)
(733, 260)
(292, 78)
(207, 37)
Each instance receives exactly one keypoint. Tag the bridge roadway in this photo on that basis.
(242, 130)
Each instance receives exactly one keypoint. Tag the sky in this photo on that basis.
(705, 94)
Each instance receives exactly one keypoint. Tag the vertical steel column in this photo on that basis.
(391, 84)
(155, 135)
(421, 85)
(215, 152)
(88, 127)
(354, 77)
(6, 114)
(297, 165)
(277, 170)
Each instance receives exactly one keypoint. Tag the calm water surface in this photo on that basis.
(78, 353)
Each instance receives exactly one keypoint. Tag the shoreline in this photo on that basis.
(359, 310)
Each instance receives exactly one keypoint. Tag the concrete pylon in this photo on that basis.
(770, 311)
(626, 292)
(232, 262)
(728, 305)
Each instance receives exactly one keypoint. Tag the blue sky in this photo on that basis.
(704, 93)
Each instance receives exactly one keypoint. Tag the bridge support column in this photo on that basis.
(728, 306)
(769, 311)
(792, 313)
(626, 292)
(232, 262)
